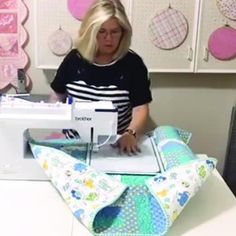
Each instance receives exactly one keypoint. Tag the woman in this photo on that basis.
(103, 68)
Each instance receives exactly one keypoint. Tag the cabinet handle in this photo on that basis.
(190, 54)
(206, 54)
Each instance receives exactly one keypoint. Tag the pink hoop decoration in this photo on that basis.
(222, 43)
(78, 8)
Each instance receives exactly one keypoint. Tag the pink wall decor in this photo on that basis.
(13, 36)
(78, 8)
(222, 43)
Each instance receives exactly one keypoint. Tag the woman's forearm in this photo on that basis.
(56, 97)
(139, 120)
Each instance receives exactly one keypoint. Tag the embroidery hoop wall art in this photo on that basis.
(227, 8)
(60, 42)
(222, 43)
(168, 29)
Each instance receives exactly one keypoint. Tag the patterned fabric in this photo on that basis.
(125, 205)
(176, 187)
(172, 146)
(84, 190)
(166, 133)
(227, 8)
(135, 212)
(168, 29)
(13, 37)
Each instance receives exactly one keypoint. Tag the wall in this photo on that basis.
(199, 103)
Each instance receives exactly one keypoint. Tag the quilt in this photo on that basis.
(128, 204)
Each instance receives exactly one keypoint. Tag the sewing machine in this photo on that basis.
(96, 123)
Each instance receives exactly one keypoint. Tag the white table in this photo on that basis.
(34, 208)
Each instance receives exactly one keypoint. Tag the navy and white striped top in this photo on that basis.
(124, 82)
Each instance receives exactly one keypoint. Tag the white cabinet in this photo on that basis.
(180, 59)
(210, 19)
(192, 55)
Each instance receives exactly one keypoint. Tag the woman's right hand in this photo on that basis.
(128, 144)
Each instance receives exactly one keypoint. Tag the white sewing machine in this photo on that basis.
(96, 123)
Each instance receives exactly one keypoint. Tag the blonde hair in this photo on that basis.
(100, 12)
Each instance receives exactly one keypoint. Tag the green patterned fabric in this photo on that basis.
(136, 212)
(172, 146)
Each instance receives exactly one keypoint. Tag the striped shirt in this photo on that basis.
(124, 82)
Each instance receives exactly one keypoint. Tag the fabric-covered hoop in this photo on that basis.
(227, 8)
(60, 42)
(168, 29)
(222, 43)
(78, 8)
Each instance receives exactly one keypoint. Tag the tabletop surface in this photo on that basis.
(35, 208)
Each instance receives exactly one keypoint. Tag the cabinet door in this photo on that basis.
(180, 59)
(210, 19)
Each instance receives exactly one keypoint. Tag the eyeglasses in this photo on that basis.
(113, 33)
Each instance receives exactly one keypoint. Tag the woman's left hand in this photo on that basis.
(128, 144)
